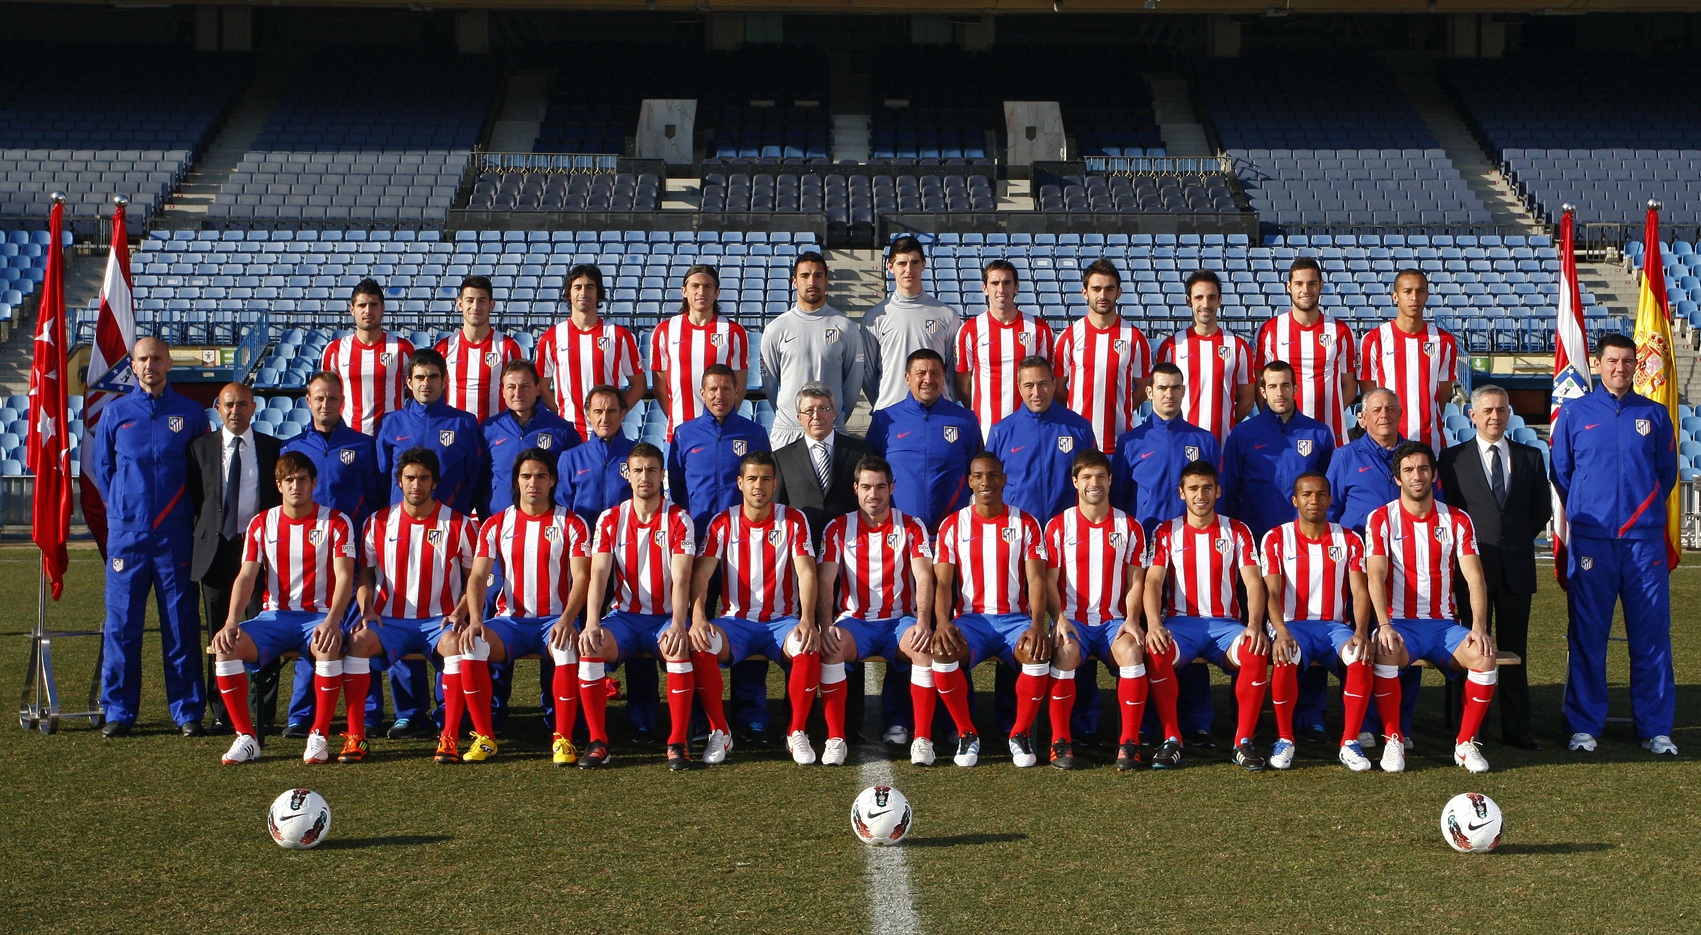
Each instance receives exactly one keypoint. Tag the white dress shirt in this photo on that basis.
(822, 444)
(1484, 446)
(247, 496)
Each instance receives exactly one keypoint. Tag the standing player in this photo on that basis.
(928, 440)
(1265, 453)
(1096, 554)
(1320, 349)
(811, 342)
(1419, 361)
(476, 354)
(685, 346)
(885, 607)
(307, 553)
(649, 545)
(585, 351)
(372, 364)
(1217, 365)
(998, 610)
(522, 425)
(594, 474)
(1103, 362)
(769, 600)
(992, 344)
(1412, 545)
(451, 434)
(542, 554)
(1150, 456)
(908, 320)
(1198, 613)
(1038, 442)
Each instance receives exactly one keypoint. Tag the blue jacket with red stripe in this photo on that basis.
(1037, 449)
(1614, 464)
(702, 463)
(449, 433)
(1146, 469)
(505, 438)
(1361, 479)
(141, 461)
(929, 448)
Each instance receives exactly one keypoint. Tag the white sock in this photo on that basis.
(1035, 668)
(1133, 672)
(1385, 672)
(1057, 673)
(328, 667)
(832, 673)
(680, 668)
(356, 665)
(228, 667)
(591, 671)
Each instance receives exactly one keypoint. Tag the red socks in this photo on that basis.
(1062, 703)
(923, 698)
(593, 696)
(233, 688)
(454, 697)
(1160, 679)
(954, 691)
(1355, 698)
(564, 686)
(1031, 688)
(1284, 694)
(681, 685)
(805, 678)
(710, 687)
(1479, 691)
(1387, 689)
(357, 681)
(1249, 684)
(475, 683)
(327, 682)
(833, 697)
(1131, 699)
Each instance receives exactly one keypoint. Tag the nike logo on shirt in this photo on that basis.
(1148, 454)
(1363, 469)
(695, 450)
(1256, 447)
(1017, 448)
(403, 438)
(585, 471)
(1590, 426)
(903, 435)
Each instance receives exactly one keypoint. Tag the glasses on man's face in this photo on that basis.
(816, 412)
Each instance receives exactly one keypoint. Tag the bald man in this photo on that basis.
(229, 484)
(141, 467)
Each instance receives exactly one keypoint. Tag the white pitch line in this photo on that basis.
(891, 909)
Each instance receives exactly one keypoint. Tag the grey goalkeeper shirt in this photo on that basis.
(897, 328)
(801, 346)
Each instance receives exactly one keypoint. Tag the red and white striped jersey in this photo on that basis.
(875, 580)
(1413, 366)
(1319, 355)
(474, 382)
(1092, 560)
(759, 580)
(989, 555)
(1314, 571)
(298, 555)
(419, 562)
(534, 553)
(374, 378)
(1420, 555)
(1212, 368)
(574, 361)
(991, 351)
(1102, 366)
(643, 554)
(1203, 565)
(684, 351)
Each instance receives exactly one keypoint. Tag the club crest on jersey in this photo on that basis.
(491, 358)
(446, 438)
(1587, 563)
(175, 423)
(1429, 347)
(1222, 351)
(832, 335)
(950, 433)
(1325, 339)
(551, 533)
(1116, 540)
(625, 471)
(739, 447)
(434, 537)
(1119, 345)
(118, 564)
(315, 536)
(1643, 426)
(602, 342)
(1009, 533)
(716, 340)
(661, 538)
(893, 538)
(545, 441)
(1222, 545)
(385, 358)
(931, 326)
(1022, 337)
(1442, 534)
(346, 455)
(776, 536)
(1305, 447)
(1066, 443)
(1192, 452)
(1336, 553)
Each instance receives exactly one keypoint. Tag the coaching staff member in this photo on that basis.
(817, 473)
(929, 441)
(1615, 464)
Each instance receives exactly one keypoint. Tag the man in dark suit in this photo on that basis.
(1503, 486)
(817, 473)
(230, 481)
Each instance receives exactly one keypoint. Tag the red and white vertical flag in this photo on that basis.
(115, 335)
(49, 451)
(1570, 362)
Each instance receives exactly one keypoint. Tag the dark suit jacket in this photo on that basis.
(206, 495)
(799, 487)
(1505, 535)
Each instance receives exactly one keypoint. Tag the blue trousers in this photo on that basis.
(1602, 573)
(139, 563)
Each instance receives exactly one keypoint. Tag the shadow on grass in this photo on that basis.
(393, 840)
(964, 840)
(1557, 848)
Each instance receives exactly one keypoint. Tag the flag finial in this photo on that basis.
(1654, 205)
(121, 200)
(58, 198)
(1568, 208)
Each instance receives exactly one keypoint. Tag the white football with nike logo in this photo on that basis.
(881, 816)
(299, 819)
(1472, 823)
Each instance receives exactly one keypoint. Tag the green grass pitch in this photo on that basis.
(152, 834)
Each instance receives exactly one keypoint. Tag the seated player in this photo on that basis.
(884, 607)
(1412, 545)
(415, 557)
(1312, 567)
(649, 545)
(1198, 614)
(1096, 554)
(540, 553)
(768, 599)
(999, 610)
(307, 553)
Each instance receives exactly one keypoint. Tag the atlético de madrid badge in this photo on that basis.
(1643, 426)
(346, 455)
(892, 539)
(1009, 533)
(491, 358)
(434, 537)
(551, 533)
(950, 433)
(545, 441)
(1192, 452)
(175, 423)
(1587, 563)
(315, 536)
(1336, 553)
(739, 447)
(1066, 443)
(775, 536)
(446, 438)
(118, 564)
(1305, 447)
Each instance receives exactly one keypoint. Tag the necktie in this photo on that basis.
(232, 492)
(1496, 475)
(823, 465)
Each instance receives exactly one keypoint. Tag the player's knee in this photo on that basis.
(1352, 654)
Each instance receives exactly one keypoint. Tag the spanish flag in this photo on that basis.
(1656, 370)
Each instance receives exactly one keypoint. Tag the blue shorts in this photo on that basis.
(1319, 641)
(1432, 640)
(522, 636)
(404, 636)
(746, 638)
(993, 636)
(1095, 641)
(276, 632)
(1204, 637)
(635, 634)
(876, 637)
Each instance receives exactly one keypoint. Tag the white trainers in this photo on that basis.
(1394, 757)
(968, 750)
(1469, 755)
(801, 752)
(897, 735)
(921, 752)
(1582, 742)
(835, 752)
(318, 749)
(719, 745)
(1660, 745)
(1366, 740)
(1022, 753)
(1353, 758)
(246, 750)
(1281, 755)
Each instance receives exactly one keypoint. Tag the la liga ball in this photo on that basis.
(1472, 823)
(299, 819)
(881, 816)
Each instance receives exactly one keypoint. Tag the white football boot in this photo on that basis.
(1660, 745)
(921, 752)
(1469, 755)
(1394, 757)
(835, 752)
(245, 750)
(801, 752)
(1353, 758)
(719, 745)
(318, 749)
(1581, 742)
(1281, 755)
(897, 735)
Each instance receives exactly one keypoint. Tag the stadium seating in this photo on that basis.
(23, 265)
(566, 192)
(1138, 193)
